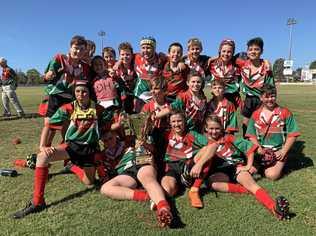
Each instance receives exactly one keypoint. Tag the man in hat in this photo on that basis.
(9, 85)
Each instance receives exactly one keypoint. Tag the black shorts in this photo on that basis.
(251, 104)
(220, 165)
(132, 172)
(54, 102)
(175, 169)
(81, 155)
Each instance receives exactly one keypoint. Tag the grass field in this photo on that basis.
(77, 210)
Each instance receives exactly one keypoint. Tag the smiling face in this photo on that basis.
(177, 123)
(218, 90)
(175, 54)
(226, 53)
(147, 51)
(195, 84)
(109, 58)
(254, 52)
(77, 51)
(268, 100)
(213, 130)
(194, 52)
(126, 56)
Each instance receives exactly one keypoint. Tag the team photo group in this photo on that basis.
(146, 126)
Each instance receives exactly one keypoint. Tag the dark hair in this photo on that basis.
(218, 82)
(213, 118)
(97, 57)
(175, 44)
(109, 49)
(125, 46)
(177, 112)
(160, 82)
(79, 40)
(256, 41)
(194, 73)
(269, 89)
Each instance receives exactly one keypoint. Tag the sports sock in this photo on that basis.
(162, 204)
(77, 171)
(40, 177)
(140, 195)
(263, 197)
(236, 188)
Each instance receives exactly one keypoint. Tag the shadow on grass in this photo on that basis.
(297, 159)
(71, 196)
(15, 117)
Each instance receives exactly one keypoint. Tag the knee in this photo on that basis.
(105, 189)
(170, 188)
(272, 175)
(42, 159)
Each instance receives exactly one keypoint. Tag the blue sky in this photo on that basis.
(33, 31)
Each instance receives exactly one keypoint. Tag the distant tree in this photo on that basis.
(312, 65)
(21, 77)
(34, 77)
(297, 74)
(278, 67)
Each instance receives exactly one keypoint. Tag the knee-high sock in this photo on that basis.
(236, 188)
(40, 178)
(263, 197)
(140, 195)
(77, 171)
(198, 182)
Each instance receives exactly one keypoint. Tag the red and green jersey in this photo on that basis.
(252, 83)
(146, 71)
(226, 112)
(152, 106)
(272, 132)
(8, 77)
(234, 150)
(185, 147)
(177, 81)
(84, 124)
(199, 66)
(228, 73)
(62, 65)
(126, 78)
(193, 107)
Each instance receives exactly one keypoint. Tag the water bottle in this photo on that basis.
(8, 172)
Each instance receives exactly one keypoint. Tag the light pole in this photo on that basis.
(290, 23)
(102, 35)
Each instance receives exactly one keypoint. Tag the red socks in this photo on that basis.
(236, 188)
(77, 171)
(140, 195)
(40, 177)
(198, 182)
(263, 197)
(163, 204)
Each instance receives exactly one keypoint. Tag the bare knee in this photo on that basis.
(106, 189)
(42, 159)
(169, 186)
(273, 175)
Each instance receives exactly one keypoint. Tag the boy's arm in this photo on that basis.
(204, 155)
(292, 134)
(281, 154)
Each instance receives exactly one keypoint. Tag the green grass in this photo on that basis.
(77, 210)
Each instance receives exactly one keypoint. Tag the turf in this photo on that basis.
(77, 210)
